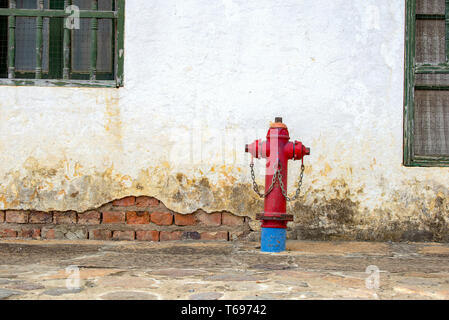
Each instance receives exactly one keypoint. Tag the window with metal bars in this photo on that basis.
(41, 45)
(426, 98)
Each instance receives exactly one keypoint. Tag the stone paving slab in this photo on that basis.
(223, 270)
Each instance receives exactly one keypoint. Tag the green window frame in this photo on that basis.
(60, 71)
(412, 69)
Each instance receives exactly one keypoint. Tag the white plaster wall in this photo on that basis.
(204, 77)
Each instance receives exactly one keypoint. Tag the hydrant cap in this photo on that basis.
(277, 123)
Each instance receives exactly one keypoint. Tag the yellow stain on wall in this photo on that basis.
(113, 122)
(77, 172)
(326, 170)
(3, 200)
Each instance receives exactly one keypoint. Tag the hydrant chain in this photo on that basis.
(298, 189)
(277, 176)
(256, 187)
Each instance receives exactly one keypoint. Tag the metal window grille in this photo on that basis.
(38, 45)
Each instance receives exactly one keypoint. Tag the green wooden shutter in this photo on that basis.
(426, 101)
(3, 42)
(36, 48)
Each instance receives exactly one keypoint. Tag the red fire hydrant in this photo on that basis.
(277, 150)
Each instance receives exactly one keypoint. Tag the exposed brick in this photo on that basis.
(219, 235)
(41, 217)
(125, 202)
(209, 219)
(2, 216)
(147, 235)
(229, 219)
(64, 217)
(162, 218)
(133, 217)
(123, 235)
(49, 234)
(63, 233)
(170, 235)
(99, 234)
(8, 233)
(190, 235)
(30, 233)
(185, 219)
(16, 216)
(89, 218)
(112, 217)
(147, 202)
(74, 234)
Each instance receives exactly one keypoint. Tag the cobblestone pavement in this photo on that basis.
(222, 270)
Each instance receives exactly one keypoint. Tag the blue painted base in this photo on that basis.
(273, 240)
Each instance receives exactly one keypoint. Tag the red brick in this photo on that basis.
(64, 217)
(209, 219)
(2, 216)
(41, 217)
(8, 233)
(162, 218)
(218, 235)
(111, 217)
(16, 216)
(125, 202)
(49, 234)
(30, 233)
(99, 234)
(185, 219)
(123, 235)
(89, 218)
(170, 235)
(146, 202)
(229, 219)
(147, 235)
(133, 217)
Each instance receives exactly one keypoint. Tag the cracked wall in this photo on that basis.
(202, 79)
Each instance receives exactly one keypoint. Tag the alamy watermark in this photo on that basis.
(372, 282)
(73, 278)
(73, 21)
